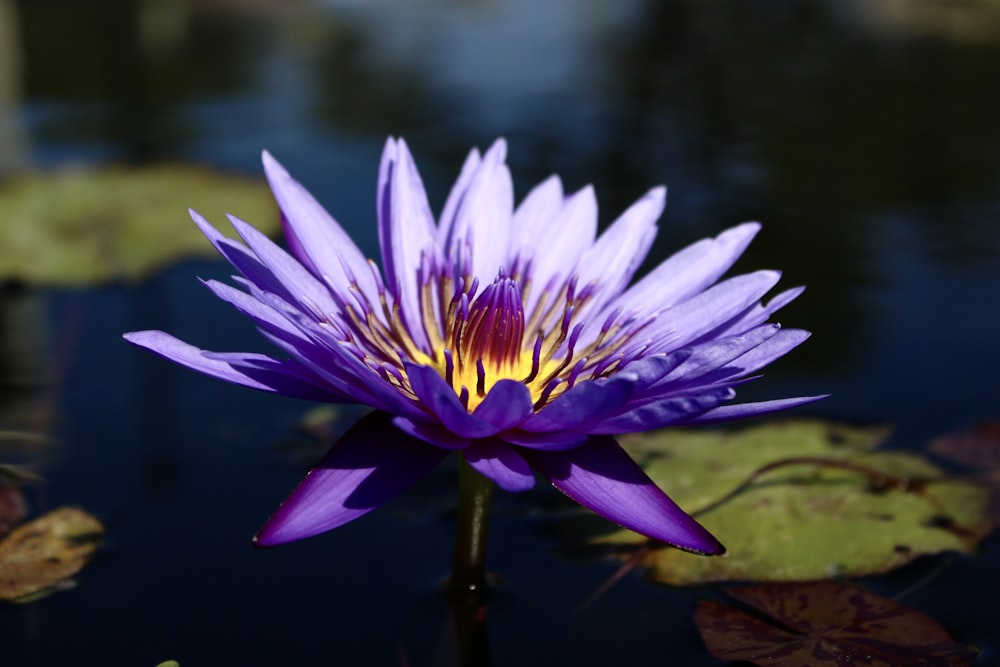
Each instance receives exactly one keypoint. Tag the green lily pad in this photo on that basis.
(825, 504)
(82, 226)
(823, 623)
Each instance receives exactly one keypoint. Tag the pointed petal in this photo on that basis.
(440, 400)
(689, 321)
(714, 354)
(661, 412)
(264, 315)
(773, 348)
(533, 215)
(620, 250)
(329, 248)
(406, 232)
(435, 434)
(745, 410)
(256, 371)
(297, 279)
(562, 241)
(602, 477)
(507, 405)
(245, 261)
(457, 194)
(481, 233)
(371, 464)
(552, 440)
(295, 247)
(500, 462)
(691, 270)
(585, 403)
(758, 314)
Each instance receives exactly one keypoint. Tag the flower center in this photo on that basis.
(474, 341)
(486, 340)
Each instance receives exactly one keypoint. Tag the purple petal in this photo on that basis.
(661, 412)
(501, 463)
(329, 248)
(264, 315)
(533, 214)
(295, 247)
(758, 314)
(553, 440)
(435, 434)
(691, 270)
(745, 410)
(558, 245)
(371, 464)
(256, 371)
(406, 232)
(481, 232)
(457, 194)
(506, 405)
(714, 354)
(687, 322)
(248, 264)
(773, 348)
(602, 477)
(585, 403)
(620, 249)
(440, 399)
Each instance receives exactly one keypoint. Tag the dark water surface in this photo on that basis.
(863, 133)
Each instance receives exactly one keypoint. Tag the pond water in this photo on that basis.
(863, 134)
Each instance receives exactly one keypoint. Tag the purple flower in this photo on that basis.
(508, 334)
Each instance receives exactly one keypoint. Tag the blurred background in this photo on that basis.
(862, 133)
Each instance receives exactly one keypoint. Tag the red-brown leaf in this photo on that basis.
(823, 623)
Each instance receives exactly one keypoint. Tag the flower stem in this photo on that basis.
(468, 571)
(475, 493)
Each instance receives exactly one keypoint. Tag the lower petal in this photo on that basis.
(256, 371)
(602, 477)
(726, 413)
(371, 464)
(500, 462)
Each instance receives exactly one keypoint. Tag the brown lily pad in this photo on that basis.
(42, 553)
(976, 448)
(823, 623)
(979, 450)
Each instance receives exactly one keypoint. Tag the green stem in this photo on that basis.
(468, 571)
(475, 493)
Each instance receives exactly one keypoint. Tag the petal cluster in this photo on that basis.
(509, 333)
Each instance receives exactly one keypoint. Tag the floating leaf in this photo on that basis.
(827, 505)
(978, 449)
(87, 225)
(42, 553)
(823, 623)
(169, 663)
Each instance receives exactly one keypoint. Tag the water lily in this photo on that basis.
(507, 334)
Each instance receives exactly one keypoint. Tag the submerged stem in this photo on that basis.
(468, 571)
(475, 493)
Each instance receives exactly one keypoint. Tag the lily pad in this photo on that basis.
(825, 504)
(823, 623)
(979, 450)
(42, 553)
(81, 226)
